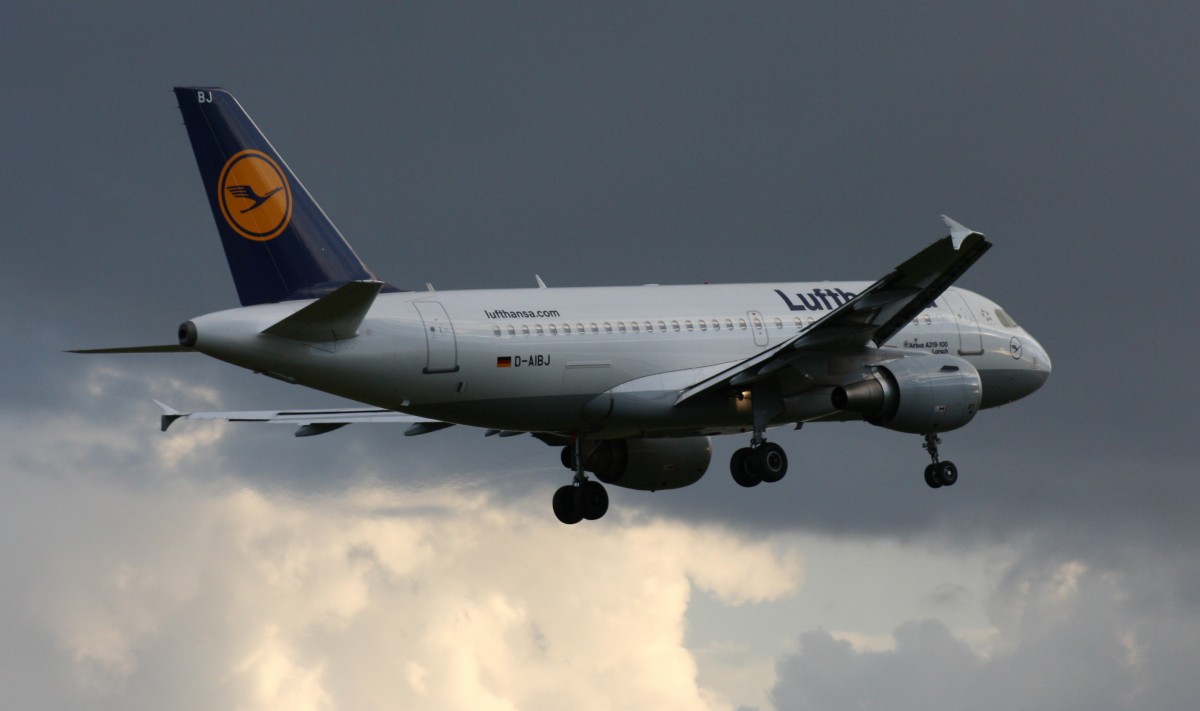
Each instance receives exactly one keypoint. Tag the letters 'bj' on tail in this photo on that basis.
(280, 244)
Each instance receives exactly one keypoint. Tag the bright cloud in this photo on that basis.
(372, 598)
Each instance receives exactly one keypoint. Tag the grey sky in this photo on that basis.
(475, 145)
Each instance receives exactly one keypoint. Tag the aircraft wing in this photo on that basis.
(309, 422)
(875, 315)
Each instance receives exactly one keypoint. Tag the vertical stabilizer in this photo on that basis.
(279, 243)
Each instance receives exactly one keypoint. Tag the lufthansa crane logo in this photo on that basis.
(255, 197)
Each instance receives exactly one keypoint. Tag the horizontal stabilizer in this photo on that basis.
(174, 348)
(334, 317)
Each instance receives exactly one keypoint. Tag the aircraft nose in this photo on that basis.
(1039, 359)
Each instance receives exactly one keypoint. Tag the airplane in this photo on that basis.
(630, 383)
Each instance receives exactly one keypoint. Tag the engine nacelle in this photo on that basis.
(917, 394)
(650, 464)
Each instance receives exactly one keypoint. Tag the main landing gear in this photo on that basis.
(938, 474)
(762, 460)
(582, 498)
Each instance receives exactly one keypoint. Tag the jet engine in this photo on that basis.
(917, 394)
(649, 464)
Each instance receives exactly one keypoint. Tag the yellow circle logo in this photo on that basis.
(255, 196)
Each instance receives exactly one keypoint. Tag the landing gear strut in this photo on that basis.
(582, 498)
(762, 460)
(938, 474)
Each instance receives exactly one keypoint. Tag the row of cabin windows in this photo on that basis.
(641, 327)
(648, 326)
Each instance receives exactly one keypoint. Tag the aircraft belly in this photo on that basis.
(547, 413)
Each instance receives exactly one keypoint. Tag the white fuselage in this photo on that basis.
(608, 360)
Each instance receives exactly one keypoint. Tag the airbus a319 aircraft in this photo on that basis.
(629, 383)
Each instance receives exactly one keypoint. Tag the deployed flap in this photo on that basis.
(875, 315)
(310, 422)
(334, 317)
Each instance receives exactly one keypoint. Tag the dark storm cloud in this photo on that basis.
(1068, 636)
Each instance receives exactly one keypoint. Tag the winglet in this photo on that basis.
(958, 232)
(169, 415)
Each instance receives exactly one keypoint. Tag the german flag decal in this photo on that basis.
(504, 362)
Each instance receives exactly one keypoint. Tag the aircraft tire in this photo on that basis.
(741, 465)
(568, 457)
(770, 462)
(593, 500)
(947, 473)
(566, 505)
(931, 477)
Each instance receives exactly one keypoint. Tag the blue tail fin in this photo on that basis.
(279, 243)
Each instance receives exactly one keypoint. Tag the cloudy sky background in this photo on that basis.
(475, 145)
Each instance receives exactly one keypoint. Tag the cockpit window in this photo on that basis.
(1005, 318)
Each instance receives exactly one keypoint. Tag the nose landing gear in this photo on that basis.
(938, 474)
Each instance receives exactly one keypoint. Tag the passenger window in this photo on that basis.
(524, 330)
(579, 328)
(728, 325)
(927, 319)
(797, 322)
(742, 323)
(566, 328)
(662, 327)
(757, 324)
(538, 328)
(633, 326)
(688, 324)
(553, 330)
(811, 320)
(621, 326)
(649, 327)
(594, 328)
(496, 330)
(607, 327)
(716, 325)
(778, 323)
(675, 326)
(703, 325)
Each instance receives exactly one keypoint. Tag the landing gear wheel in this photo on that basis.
(568, 457)
(947, 473)
(931, 477)
(566, 505)
(741, 468)
(770, 462)
(593, 500)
